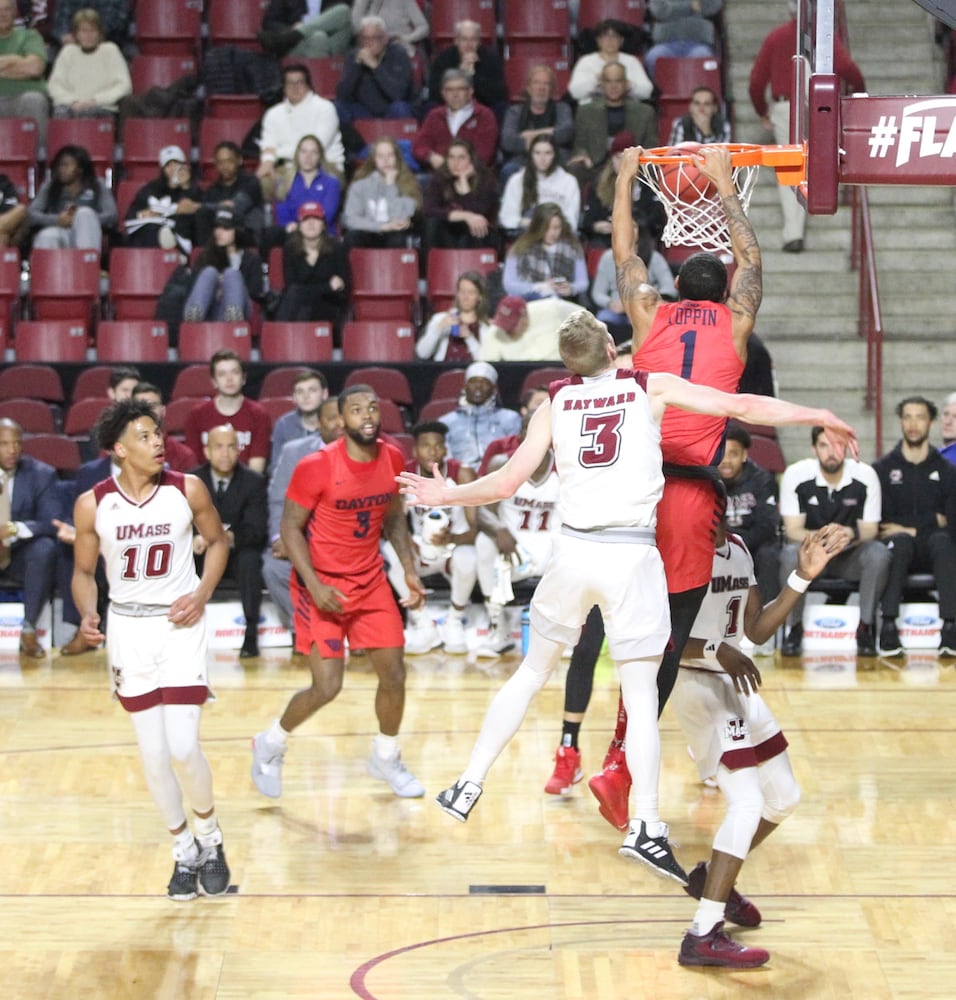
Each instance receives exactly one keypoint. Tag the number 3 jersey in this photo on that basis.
(147, 545)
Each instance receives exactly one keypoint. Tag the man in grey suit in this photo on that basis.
(276, 566)
(29, 502)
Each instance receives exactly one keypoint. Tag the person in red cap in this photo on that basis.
(526, 331)
(315, 269)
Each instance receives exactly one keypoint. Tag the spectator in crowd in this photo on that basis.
(460, 117)
(23, 91)
(759, 376)
(376, 81)
(586, 76)
(948, 428)
(457, 334)
(704, 121)
(27, 531)
(547, 259)
(828, 490)
(179, 457)
(403, 20)
(919, 502)
(478, 419)
(480, 62)
(599, 122)
(14, 224)
(448, 551)
(233, 188)
(538, 113)
(752, 511)
(275, 560)
(230, 405)
(114, 17)
(310, 390)
(383, 202)
(74, 207)
(163, 211)
(299, 28)
(541, 180)
(301, 112)
(596, 221)
(525, 331)
(461, 201)
(227, 276)
(604, 291)
(530, 400)
(313, 181)
(772, 70)
(89, 76)
(682, 30)
(315, 269)
(239, 496)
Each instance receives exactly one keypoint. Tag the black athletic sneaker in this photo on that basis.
(183, 886)
(793, 643)
(655, 852)
(890, 644)
(865, 643)
(947, 639)
(213, 871)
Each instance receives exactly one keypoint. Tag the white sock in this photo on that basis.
(184, 846)
(386, 747)
(653, 828)
(709, 913)
(207, 830)
(277, 736)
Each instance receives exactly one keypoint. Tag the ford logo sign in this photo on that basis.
(920, 621)
(11, 622)
(242, 621)
(830, 622)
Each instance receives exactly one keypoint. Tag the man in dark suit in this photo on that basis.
(29, 501)
(239, 495)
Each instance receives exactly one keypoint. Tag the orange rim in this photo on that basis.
(790, 162)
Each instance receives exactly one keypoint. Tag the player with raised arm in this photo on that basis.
(142, 522)
(604, 426)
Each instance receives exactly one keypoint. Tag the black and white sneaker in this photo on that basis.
(213, 871)
(947, 639)
(655, 852)
(184, 884)
(459, 800)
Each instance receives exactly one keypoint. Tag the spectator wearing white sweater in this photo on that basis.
(90, 76)
(542, 180)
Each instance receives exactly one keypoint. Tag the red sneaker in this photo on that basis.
(612, 788)
(567, 771)
(738, 909)
(716, 948)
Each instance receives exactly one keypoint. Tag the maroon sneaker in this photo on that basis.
(738, 909)
(612, 788)
(716, 948)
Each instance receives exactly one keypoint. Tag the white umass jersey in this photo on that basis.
(721, 614)
(147, 546)
(457, 521)
(532, 515)
(607, 448)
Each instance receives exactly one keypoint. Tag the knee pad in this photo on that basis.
(744, 807)
(781, 793)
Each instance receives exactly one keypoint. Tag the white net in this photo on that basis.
(695, 217)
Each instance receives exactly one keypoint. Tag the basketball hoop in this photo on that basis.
(695, 216)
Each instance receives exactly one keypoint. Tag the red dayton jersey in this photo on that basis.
(695, 341)
(348, 500)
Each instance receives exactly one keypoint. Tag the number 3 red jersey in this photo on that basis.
(695, 341)
(348, 500)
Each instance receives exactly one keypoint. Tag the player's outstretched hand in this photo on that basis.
(740, 668)
(422, 490)
(818, 548)
(90, 629)
(840, 436)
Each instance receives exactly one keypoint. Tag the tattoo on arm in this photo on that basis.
(747, 290)
(631, 278)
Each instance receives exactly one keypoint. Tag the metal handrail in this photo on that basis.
(870, 320)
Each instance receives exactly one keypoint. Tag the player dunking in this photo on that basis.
(604, 426)
(142, 522)
(702, 337)
(339, 503)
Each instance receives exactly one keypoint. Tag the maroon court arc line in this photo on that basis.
(357, 980)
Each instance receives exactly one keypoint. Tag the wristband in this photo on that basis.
(710, 650)
(797, 583)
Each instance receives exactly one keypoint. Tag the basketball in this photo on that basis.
(683, 181)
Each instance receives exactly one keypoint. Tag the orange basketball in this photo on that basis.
(683, 181)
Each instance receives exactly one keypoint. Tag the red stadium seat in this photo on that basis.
(200, 341)
(96, 135)
(392, 420)
(235, 22)
(767, 453)
(143, 138)
(592, 257)
(65, 284)
(444, 267)
(276, 273)
(33, 415)
(546, 19)
(32, 381)
(389, 383)
(520, 61)
(278, 382)
(61, 452)
(631, 12)
(193, 381)
(448, 384)
(137, 277)
(325, 73)
(310, 343)
(378, 340)
(404, 441)
(10, 266)
(437, 408)
(445, 14)
(140, 339)
(276, 406)
(83, 414)
(233, 106)
(148, 71)
(19, 148)
(675, 79)
(170, 27)
(542, 376)
(92, 383)
(371, 129)
(174, 421)
(384, 284)
(51, 340)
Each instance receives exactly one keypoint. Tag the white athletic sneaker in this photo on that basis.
(499, 640)
(454, 630)
(393, 770)
(458, 800)
(267, 762)
(421, 637)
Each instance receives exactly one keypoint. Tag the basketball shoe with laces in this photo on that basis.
(393, 770)
(655, 852)
(459, 800)
(716, 948)
(612, 787)
(213, 870)
(567, 771)
(183, 885)
(267, 761)
(738, 909)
